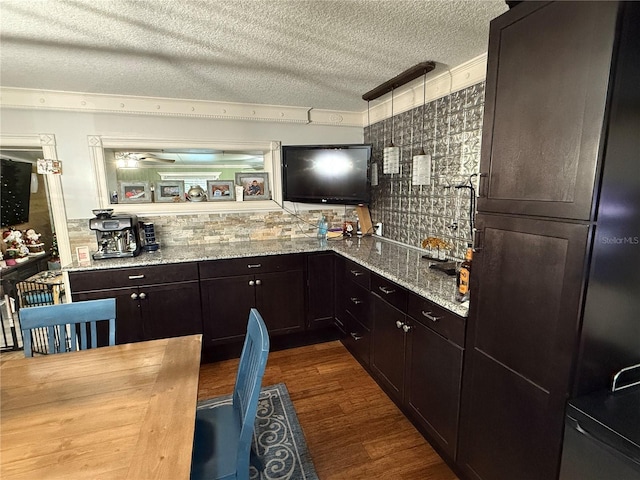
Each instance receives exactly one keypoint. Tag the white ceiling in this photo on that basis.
(312, 53)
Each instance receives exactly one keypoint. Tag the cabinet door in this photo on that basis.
(128, 315)
(170, 310)
(280, 301)
(320, 289)
(226, 303)
(526, 285)
(388, 347)
(547, 81)
(434, 374)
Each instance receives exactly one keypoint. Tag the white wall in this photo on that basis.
(71, 130)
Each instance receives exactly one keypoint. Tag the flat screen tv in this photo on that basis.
(15, 183)
(326, 173)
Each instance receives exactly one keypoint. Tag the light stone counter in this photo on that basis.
(399, 263)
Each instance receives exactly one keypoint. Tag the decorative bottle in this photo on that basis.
(462, 292)
(323, 226)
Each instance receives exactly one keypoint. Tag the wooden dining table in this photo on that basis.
(121, 412)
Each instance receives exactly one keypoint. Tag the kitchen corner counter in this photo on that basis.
(399, 263)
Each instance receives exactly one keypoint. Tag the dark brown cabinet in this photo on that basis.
(434, 371)
(320, 289)
(416, 356)
(547, 82)
(230, 288)
(520, 345)
(557, 74)
(151, 302)
(353, 303)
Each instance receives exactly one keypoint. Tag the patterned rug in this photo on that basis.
(277, 438)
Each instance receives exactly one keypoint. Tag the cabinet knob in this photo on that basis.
(399, 324)
(251, 283)
(143, 295)
(134, 296)
(406, 328)
(258, 282)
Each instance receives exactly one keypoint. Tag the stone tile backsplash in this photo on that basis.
(208, 228)
(451, 135)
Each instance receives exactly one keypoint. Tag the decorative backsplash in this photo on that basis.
(452, 134)
(208, 228)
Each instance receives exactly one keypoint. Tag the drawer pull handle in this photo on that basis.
(135, 277)
(387, 290)
(356, 300)
(356, 273)
(355, 336)
(431, 317)
(254, 265)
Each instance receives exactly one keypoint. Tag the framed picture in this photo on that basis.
(255, 186)
(169, 191)
(134, 192)
(220, 190)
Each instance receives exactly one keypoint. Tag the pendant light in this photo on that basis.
(391, 154)
(374, 165)
(421, 174)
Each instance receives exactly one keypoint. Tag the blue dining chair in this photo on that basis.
(222, 439)
(80, 317)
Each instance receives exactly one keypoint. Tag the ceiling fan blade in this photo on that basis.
(152, 158)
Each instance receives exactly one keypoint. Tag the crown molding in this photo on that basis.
(25, 98)
(411, 95)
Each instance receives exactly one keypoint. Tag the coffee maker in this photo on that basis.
(117, 235)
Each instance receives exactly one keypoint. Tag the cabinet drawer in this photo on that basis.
(132, 276)
(357, 273)
(357, 303)
(389, 292)
(357, 339)
(250, 265)
(441, 320)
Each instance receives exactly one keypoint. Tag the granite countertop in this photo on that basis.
(399, 263)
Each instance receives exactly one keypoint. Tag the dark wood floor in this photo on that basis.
(353, 430)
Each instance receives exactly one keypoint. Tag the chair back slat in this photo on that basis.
(63, 321)
(253, 361)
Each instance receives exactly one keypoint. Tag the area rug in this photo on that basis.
(277, 438)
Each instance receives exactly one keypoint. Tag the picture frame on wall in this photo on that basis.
(169, 191)
(134, 192)
(255, 185)
(221, 190)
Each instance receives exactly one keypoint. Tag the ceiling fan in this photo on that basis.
(131, 159)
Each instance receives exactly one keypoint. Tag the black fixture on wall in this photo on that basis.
(399, 80)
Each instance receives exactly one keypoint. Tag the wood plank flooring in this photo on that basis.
(353, 430)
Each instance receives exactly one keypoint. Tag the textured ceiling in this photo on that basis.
(313, 53)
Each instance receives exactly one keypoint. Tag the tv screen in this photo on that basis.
(326, 173)
(15, 181)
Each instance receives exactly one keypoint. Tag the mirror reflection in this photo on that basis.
(174, 175)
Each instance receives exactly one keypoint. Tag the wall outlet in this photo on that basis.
(377, 229)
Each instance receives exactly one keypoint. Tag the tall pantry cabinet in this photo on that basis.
(554, 71)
